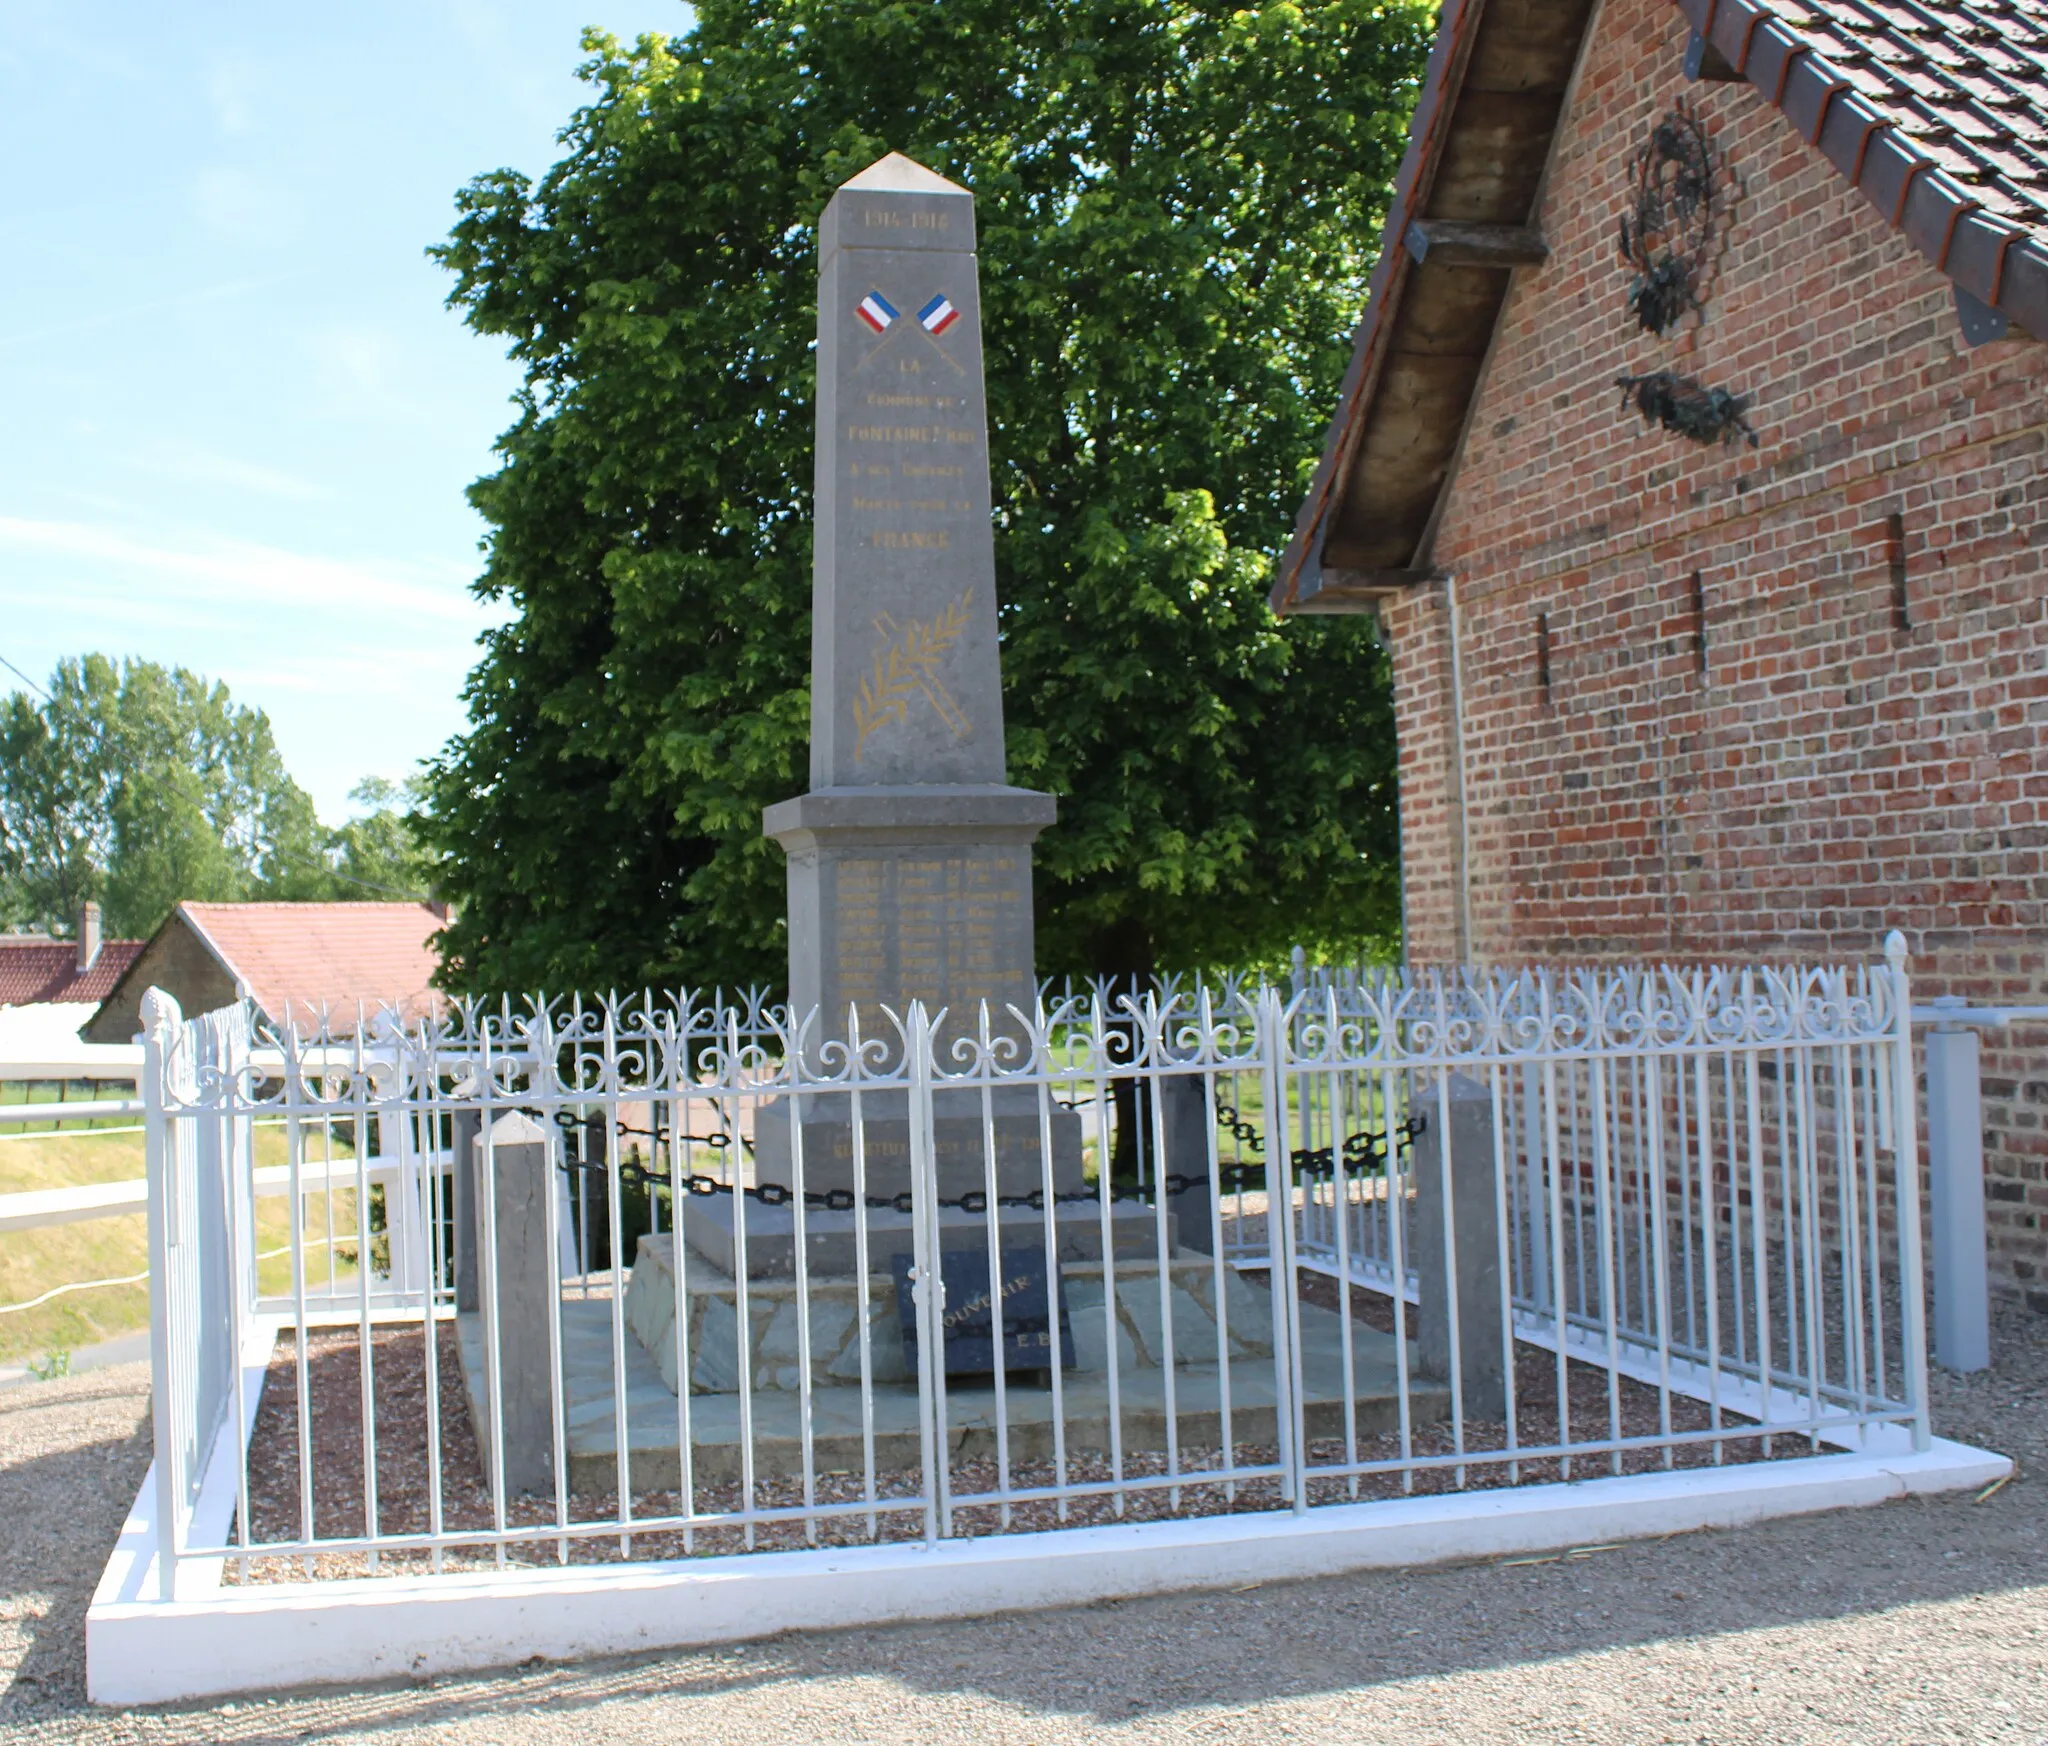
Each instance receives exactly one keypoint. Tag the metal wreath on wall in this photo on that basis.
(1669, 232)
(1669, 238)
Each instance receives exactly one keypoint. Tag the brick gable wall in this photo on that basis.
(1817, 773)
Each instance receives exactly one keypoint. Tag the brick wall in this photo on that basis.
(1766, 761)
(175, 960)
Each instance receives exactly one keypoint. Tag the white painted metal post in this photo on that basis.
(1906, 1156)
(1955, 1161)
(404, 1177)
(160, 1021)
(1283, 1267)
(927, 1276)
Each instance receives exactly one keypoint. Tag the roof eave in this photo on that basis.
(1480, 143)
(1997, 261)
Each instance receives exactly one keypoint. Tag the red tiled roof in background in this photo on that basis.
(1937, 110)
(34, 971)
(340, 955)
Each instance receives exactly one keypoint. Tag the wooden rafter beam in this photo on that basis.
(1455, 244)
(1340, 590)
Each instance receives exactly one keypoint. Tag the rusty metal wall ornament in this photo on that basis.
(1693, 411)
(1667, 236)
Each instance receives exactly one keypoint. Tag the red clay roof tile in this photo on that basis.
(340, 956)
(34, 971)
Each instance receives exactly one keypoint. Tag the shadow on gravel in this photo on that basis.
(60, 1514)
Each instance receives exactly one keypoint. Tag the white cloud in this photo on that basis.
(359, 372)
(234, 83)
(193, 465)
(394, 670)
(246, 576)
(154, 306)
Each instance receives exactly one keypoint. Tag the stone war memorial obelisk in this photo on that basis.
(910, 857)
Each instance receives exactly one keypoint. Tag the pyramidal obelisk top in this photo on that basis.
(896, 174)
(910, 857)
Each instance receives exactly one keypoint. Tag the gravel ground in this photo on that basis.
(1920, 1621)
(334, 1389)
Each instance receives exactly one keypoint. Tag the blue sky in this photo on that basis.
(235, 419)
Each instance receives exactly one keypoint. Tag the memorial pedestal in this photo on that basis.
(910, 892)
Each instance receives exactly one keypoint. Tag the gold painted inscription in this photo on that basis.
(948, 926)
(881, 218)
(950, 435)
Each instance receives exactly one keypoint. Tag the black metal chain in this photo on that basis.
(1311, 1164)
(1364, 1150)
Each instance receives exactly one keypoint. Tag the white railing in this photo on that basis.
(666, 1276)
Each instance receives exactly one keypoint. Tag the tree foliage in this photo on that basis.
(140, 787)
(1177, 203)
(378, 853)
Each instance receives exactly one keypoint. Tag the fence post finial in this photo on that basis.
(160, 1010)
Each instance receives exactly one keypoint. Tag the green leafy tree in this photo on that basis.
(144, 786)
(1177, 205)
(56, 797)
(378, 853)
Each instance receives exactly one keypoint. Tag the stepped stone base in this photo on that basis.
(960, 1140)
(711, 1333)
(654, 1413)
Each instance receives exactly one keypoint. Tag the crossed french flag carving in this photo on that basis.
(879, 313)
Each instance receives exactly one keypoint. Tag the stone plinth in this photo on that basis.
(903, 893)
(960, 1132)
(831, 1248)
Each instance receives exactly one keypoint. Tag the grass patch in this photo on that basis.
(71, 1091)
(32, 1262)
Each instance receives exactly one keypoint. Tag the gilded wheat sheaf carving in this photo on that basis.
(905, 664)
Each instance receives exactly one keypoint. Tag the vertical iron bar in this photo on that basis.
(928, 1290)
(1906, 1163)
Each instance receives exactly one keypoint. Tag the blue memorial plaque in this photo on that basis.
(970, 1319)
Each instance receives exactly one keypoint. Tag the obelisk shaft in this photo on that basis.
(909, 860)
(905, 686)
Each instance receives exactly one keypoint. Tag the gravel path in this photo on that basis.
(1922, 1621)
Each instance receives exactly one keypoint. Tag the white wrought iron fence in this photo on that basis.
(659, 1277)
